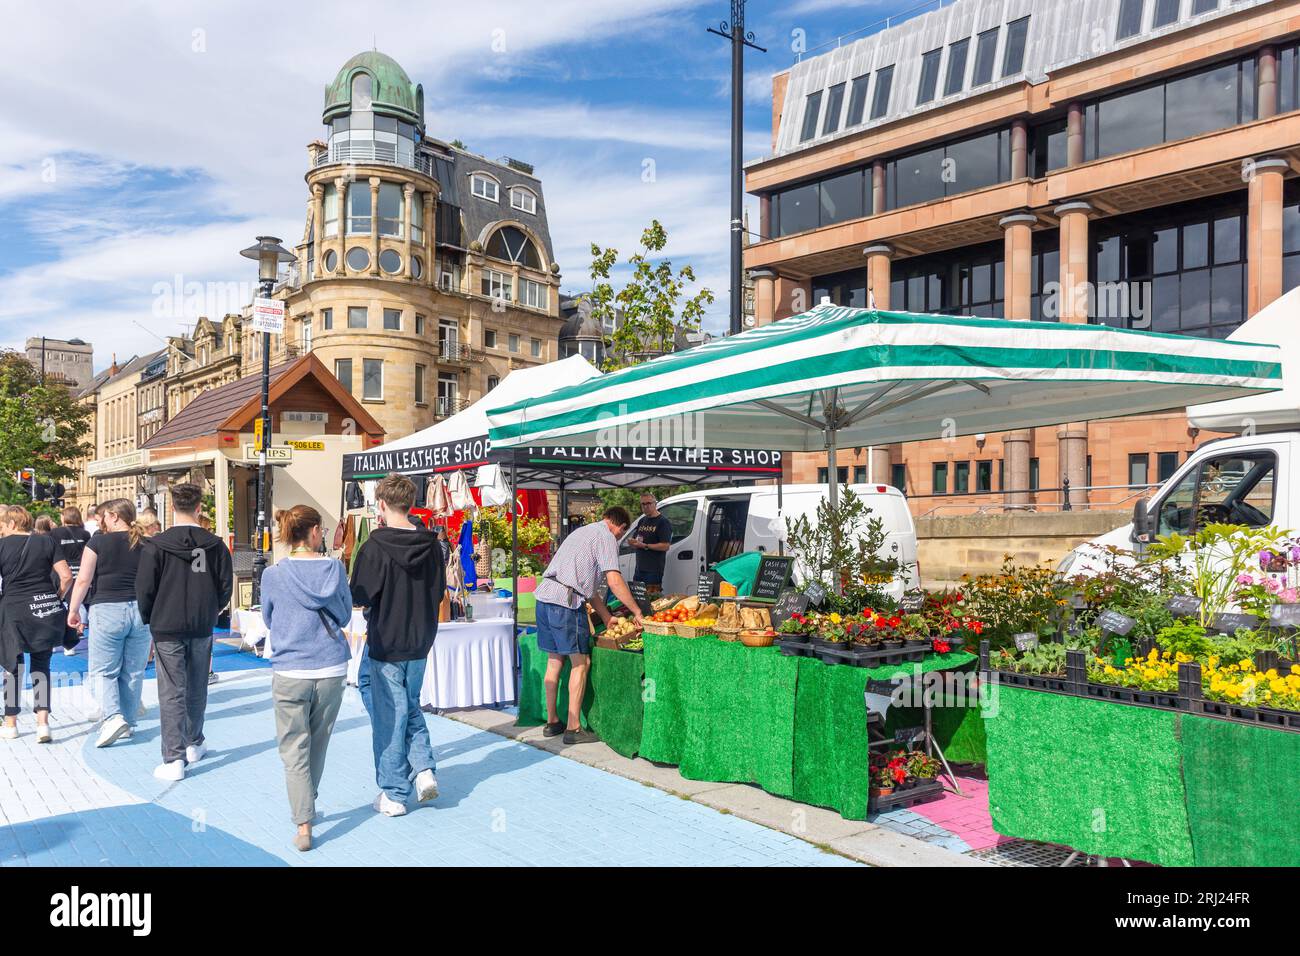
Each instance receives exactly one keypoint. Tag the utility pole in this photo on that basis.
(739, 38)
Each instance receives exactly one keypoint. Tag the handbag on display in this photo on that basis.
(458, 489)
(437, 497)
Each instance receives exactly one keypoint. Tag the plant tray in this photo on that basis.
(1266, 716)
(885, 656)
(1171, 700)
(793, 648)
(1049, 682)
(929, 790)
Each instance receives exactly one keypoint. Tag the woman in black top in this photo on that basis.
(119, 640)
(71, 536)
(32, 616)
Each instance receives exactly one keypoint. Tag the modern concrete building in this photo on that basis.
(1130, 162)
(68, 361)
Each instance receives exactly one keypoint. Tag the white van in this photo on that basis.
(710, 526)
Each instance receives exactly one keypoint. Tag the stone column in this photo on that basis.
(879, 257)
(341, 187)
(764, 217)
(1266, 76)
(764, 296)
(408, 194)
(1264, 233)
(374, 226)
(430, 228)
(318, 225)
(878, 465)
(1019, 244)
(1074, 138)
(878, 187)
(1019, 149)
(1073, 303)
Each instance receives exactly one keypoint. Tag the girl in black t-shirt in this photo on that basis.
(32, 616)
(119, 639)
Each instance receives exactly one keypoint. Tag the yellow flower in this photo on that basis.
(835, 619)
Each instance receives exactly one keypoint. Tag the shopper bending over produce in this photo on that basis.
(572, 578)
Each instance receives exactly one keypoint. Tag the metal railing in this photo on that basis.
(880, 25)
(365, 151)
(1067, 499)
(457, 352)
(445, 407)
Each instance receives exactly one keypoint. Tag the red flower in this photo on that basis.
(881, 623)
(895, 621)
(977, 627)
(899, 774)
(942, 647)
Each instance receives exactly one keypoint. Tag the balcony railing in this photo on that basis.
(457, 353)
(365, 151)
(447, 406)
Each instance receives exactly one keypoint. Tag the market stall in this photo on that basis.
(797, 720)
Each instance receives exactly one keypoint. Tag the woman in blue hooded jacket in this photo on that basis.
(306, 603)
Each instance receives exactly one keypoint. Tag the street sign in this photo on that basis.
(257, 434)
(276, 454)
(268, 316)
(301, 445)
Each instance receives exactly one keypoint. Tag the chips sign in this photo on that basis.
(268, 315)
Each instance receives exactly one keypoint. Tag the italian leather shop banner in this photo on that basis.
(420, 460)
(472, 452)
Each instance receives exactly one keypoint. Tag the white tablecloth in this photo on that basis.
(470, 664)
(487, 605)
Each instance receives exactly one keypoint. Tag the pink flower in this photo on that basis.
(1245, 580)
(1288, 596)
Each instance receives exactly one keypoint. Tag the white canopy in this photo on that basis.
(1276, 324)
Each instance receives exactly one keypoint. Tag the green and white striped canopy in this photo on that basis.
(864, 377)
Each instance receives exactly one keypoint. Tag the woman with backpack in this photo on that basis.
(306, 603)
(32, 616)
(119, 639)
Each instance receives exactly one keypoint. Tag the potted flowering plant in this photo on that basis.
(887, 629)
(887, 772)
(797, 628)
(864, 634)
(922, 766)
(830, 631)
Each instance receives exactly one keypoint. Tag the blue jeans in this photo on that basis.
(398, 731)
(119, 650)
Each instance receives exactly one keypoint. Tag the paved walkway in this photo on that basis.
(502, 802)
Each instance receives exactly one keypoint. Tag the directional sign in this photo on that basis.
(276, 454)
(268, 316)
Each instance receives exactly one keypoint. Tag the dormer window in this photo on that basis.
(485, 188)
(524, 200)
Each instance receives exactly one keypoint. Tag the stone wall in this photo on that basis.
(975, 544)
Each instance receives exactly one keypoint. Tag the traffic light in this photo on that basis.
(40, 491)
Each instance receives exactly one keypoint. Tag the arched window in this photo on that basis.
(361, 91)
(513, 245)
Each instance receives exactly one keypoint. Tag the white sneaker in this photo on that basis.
(387, 806)
(174, 770)
(128, 733)
(113, 730)
(426, 786)
(69, 652)
(43, 734)
(195, 754)
(8, 733)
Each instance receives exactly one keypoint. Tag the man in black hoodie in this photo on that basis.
(184, 580)
(400, 580)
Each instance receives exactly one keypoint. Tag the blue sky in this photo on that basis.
(143, 144)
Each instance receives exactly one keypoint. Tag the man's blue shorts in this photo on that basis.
(562, 630)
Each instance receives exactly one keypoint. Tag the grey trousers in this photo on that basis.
(305, 711)
(182, 667)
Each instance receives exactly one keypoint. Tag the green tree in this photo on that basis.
(630, 498)
(651, 301)
(43, 425)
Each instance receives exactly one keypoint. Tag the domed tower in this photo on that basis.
(391, 289)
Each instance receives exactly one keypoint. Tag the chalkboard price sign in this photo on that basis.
(707, 586)
(912, 602)
(1284, 615)
(787, 605)
(1113, 622)
(773, 575)
(816, 594)
(1183, 605)
(905, 735)
(1026, 641)
(1228, 623)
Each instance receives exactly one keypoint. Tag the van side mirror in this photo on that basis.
(1142, 520)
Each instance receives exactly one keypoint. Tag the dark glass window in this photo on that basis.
(1288, 77)
(1139, 469)
(1166, 465)
(858, 100)
(842, 473)
(823, 202)
(884, 86)
(1033, 475)
(956, 77)
(1204, 6)
(1128, 121)
(898, 477)
(842, 197)
(917, 178)
(967, 281)
(1166, 12)
(1291, 236)
(834, 104)
(812, 107)
(980, 161)
(939, 480)
(1049, 147)
(797, 209)
(859, 474)
(986, 49)
(842, 288)
(1130, 18)
(1045, 277)
(984, 476)
(929, 77)
(1013, 57)
(961, 477)
(1202, 102)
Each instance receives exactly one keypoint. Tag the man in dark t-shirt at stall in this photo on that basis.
(650, 541)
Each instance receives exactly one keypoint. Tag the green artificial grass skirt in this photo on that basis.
(615, 715)
(532, 686)
(1243, 792)
(1100, 777)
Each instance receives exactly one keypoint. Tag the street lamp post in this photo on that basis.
(269, 254)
